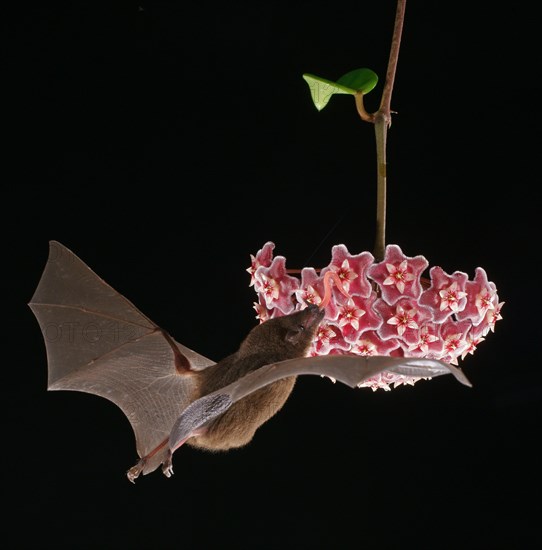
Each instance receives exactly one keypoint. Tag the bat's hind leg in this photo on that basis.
(167, 465)
(191, 423)
(133, 473)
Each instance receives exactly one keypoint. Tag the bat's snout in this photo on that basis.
(313, 315)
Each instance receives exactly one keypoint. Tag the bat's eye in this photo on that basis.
(295, 335)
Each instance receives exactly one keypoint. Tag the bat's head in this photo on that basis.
(288, 336)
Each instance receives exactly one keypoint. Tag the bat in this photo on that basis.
(98, 342)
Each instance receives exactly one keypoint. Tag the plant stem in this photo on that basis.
(381, 131)
(382, 121)
(392, 63)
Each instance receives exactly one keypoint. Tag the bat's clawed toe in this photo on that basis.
(133, 473)
(167, 465)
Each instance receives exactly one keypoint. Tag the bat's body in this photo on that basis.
(276, 340)
(98, 342)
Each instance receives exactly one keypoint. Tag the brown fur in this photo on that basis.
(275, 340)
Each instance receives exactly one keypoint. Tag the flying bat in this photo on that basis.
(98, 342)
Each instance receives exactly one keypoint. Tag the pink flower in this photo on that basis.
(312, 290)
(328, 338)
(370, 343)
(380, 309)
(492, 316)
(472, 342)
(349, 315)
(276, 286)
(365, 347)
(357, 316)
(402, 320)
(262, 313)
(428, 344)
(454, 337)
(263, 257)
(451, 297)
(398, 275)
(481, 297)
(352, 270)
(446, 295)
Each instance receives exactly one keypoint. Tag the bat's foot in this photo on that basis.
(133, 473)
(167, 465)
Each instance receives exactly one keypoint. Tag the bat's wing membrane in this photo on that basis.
(351, 370)
(98, 342)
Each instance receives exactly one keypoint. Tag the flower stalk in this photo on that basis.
(382, 121)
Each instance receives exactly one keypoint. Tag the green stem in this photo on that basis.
(381, 130)
(382, 121)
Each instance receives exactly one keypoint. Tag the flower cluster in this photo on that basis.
(383, 308)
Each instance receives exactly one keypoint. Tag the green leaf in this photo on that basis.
(361, 80)
(322, 89)
(358, 80)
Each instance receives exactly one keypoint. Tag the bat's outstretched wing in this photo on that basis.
(351, 370)
(98, 342)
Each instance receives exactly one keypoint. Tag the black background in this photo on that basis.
(165, 142)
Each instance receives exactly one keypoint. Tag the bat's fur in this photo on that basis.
(274, 340)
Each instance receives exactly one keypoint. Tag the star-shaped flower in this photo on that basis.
(349, 314)
(481, 297)
(312, 290)
(446, 295)
(328, 338)
(429, 342)
(262, 313)
(450, 297)
(309, 279)
(351, 269)
(398, 275)
(264, 256)
(356, 316)
(472, 345)
(492, 316)
(402, 320)
(276, 286)
(370, 343)
(454, 338)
